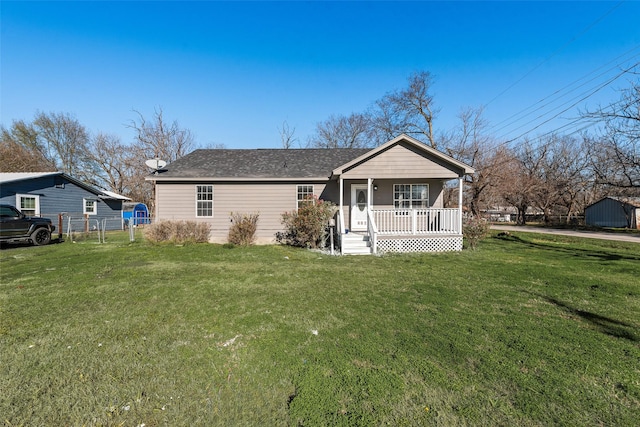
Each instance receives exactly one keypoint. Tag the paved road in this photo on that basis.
(635, 238)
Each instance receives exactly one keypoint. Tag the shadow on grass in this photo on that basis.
(573, 251)
(4, 245)
(606, 325)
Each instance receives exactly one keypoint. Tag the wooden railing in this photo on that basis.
(416, 221)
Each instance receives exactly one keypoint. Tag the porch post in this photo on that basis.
(460, 188)
(369, 192)
(340, 213)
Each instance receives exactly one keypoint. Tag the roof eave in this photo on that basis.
(237, 179)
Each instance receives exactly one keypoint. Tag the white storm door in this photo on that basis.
(359, 199)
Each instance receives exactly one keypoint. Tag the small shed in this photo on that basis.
(135, 214)
(617, 212)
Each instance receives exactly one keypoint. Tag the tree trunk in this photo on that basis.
(521, 216)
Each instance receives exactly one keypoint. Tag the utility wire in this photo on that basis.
(563, 47)
(580, 98)
(573, 127)
(506, 123)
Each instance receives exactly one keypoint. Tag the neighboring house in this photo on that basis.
(50, 194)
(404, 177)
(618, 212)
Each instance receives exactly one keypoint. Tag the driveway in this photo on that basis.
(634, 238)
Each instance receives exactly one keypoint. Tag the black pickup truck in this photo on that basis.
(15, 227)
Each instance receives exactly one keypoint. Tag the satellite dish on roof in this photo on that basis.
(156, 164)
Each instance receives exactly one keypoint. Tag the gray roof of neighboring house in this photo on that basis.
(6, 177)
(260, 163)
(9, 177)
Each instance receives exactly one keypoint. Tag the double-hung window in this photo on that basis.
(406, 196)
(304, 194)
(89, 206)
(28, 204)
(204, 201)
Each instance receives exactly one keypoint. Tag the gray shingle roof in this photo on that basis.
(260, 163)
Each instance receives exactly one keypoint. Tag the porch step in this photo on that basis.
(356, 244)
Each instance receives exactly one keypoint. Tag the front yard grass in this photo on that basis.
(527, 330)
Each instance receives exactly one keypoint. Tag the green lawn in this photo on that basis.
(529, 330)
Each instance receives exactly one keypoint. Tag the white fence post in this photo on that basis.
(414, 221)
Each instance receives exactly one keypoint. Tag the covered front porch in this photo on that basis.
(369, 224)
(392, 199)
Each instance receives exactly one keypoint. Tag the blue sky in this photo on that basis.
(233, 72)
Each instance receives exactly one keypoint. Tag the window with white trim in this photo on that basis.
(304, 193)
(406, 196)
(204, 201)
(89, 206)
(28, 204)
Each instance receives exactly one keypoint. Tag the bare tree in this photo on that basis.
(64, 140)
(470, 143)
(410, 110)
(19, 151)
(53, 141)
(550, 175)
(522, 187)
(213, 146)
(287, 135)
(115, 164)
(563, 174)
(157, 138)
(615, 151)
(342, 132)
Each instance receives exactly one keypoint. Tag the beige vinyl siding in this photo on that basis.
(401, 161)
(383, 197)
(177, 201)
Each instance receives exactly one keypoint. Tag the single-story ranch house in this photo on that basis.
(390, 198)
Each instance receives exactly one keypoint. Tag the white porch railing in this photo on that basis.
(417, 221)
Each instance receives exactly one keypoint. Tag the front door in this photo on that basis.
(359, 201)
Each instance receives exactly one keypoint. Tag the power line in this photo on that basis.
(563, 47)
(573, 127)
(558, 94)
(582, 97)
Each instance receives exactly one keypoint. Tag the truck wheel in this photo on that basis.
(41, 236)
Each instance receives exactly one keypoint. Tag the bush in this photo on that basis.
(307, 227)
(243, 230)
(178, 232)
(475, 229)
